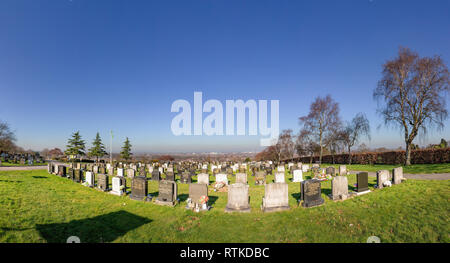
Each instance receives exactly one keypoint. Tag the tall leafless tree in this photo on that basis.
(287, 144)
(321, 120)
(305, 145)
(354, 130)
(7, 138)
(412, 91)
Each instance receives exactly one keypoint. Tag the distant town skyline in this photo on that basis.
(97, 66)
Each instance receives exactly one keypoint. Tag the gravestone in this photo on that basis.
(222, 178)
(55, 169)
(102, 170)
(305, 168)
(49, 168)
(311, 193)
(156, 175)
(139, 189)
(382, 177)
(275, 197)
(62, 170)
(170, 176)
(315, 170)
(238, 198)
(103, 182)
(280, 168)
(119, 171)
(197, 192)
(131, 173)
(342, 170)
(279, 178)
(397, 175)
(167, 193)
(142, 172)
(95, 169)
(185, 177)
(339, 188)
(203, 178)
(330, 170)
(362, 182)
(117, 188)
(77, 176)
(260, 178)
(297, 176)
(241, 178)
(90, 179)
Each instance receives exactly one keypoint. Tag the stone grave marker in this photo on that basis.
(62, 170)
(222, 178)
(167, 193)
(117, 188)
(78, 176)
(330, 170)
(156, 175)
(342, 170)
(203, 178)
(382, 177)
(238, 198)
(311, 193)
(260, 178)
(90, 179)
(297, 176)
(139, 189)
(279, 178)
(275, 197)
(185, 177)
(196, 193)
(103, 182)
(362, 183)
(339, 188)
(241, 178)
(397, 175)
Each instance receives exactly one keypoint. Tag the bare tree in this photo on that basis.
(305, 145)
(412, 90)
(352, 133)
(286, 144)
(321, 120)
(7, 138)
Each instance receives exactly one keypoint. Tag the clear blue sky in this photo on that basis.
(69, 65)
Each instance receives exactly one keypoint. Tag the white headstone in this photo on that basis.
(119, 171)
(279, 178)
(116, 186)
(203, 178)
(89, 178)
(297, 176)
(222, 178)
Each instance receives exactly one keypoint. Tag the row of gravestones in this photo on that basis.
(275, 197)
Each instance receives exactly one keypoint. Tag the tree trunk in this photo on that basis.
(408, 154)
(349, 156)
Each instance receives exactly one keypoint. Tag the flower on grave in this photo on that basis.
(203, 199)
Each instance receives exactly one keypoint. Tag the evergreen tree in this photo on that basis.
(75, 145)
(126, 150)
(98, 149)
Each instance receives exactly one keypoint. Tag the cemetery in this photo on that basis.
(288, 205)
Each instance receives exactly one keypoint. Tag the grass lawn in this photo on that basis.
(411, 169)
(38, 207)
(6, 164)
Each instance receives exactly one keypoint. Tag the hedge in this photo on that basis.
(424, 156)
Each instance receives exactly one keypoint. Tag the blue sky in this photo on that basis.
(118, 65)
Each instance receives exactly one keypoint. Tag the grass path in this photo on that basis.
(38, 207)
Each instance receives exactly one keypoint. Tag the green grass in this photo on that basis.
(38, 207)
(410, 169)
(7, 164)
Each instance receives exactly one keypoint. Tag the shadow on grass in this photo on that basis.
(104, 228)
(212, 200)
(183, 197)
(296, 196)
(11, 181)
(40, 177)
